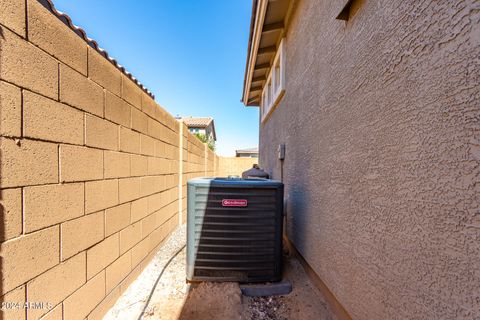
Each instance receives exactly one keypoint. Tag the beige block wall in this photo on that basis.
(92, 173)
(194, 164)
(228, 166)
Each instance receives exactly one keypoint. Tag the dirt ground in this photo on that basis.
(220, 301)
(172, 298)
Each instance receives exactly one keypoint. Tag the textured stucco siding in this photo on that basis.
(381, 121)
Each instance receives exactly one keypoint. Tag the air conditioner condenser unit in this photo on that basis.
(234, 230)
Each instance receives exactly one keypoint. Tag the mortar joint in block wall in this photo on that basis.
(83, 166)
(48, 4)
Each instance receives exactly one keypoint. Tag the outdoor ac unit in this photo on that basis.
(234, 230)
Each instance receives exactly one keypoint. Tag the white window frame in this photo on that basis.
(274, 88)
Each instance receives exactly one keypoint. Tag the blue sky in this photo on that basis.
(190, 54)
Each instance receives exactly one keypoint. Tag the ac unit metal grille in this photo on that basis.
(235, 243)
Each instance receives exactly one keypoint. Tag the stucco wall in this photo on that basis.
(92, 171)
(381, 121)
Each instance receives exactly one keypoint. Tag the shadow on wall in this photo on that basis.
(297, 193)
(295, 227)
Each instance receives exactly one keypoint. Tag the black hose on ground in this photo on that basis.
(158, 280)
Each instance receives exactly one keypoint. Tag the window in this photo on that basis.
(275, 86)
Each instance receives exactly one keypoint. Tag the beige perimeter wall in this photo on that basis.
(227, 166)
(382, 174)
(93, 171)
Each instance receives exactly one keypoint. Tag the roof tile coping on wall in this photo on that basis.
(92, 43)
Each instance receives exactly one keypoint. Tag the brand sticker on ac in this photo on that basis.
(234, 203)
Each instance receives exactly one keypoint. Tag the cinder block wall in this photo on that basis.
(194, 163)
(226, 166)
(92, 171)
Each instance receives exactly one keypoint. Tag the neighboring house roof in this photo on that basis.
(249, 150)
(200, 122)
(92, 43)
(197, 122)
(267, 28)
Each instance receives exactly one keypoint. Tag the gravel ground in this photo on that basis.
(172, 298)
(305, 302)
(265, 308)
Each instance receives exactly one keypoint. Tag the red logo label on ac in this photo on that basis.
(234, 203)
